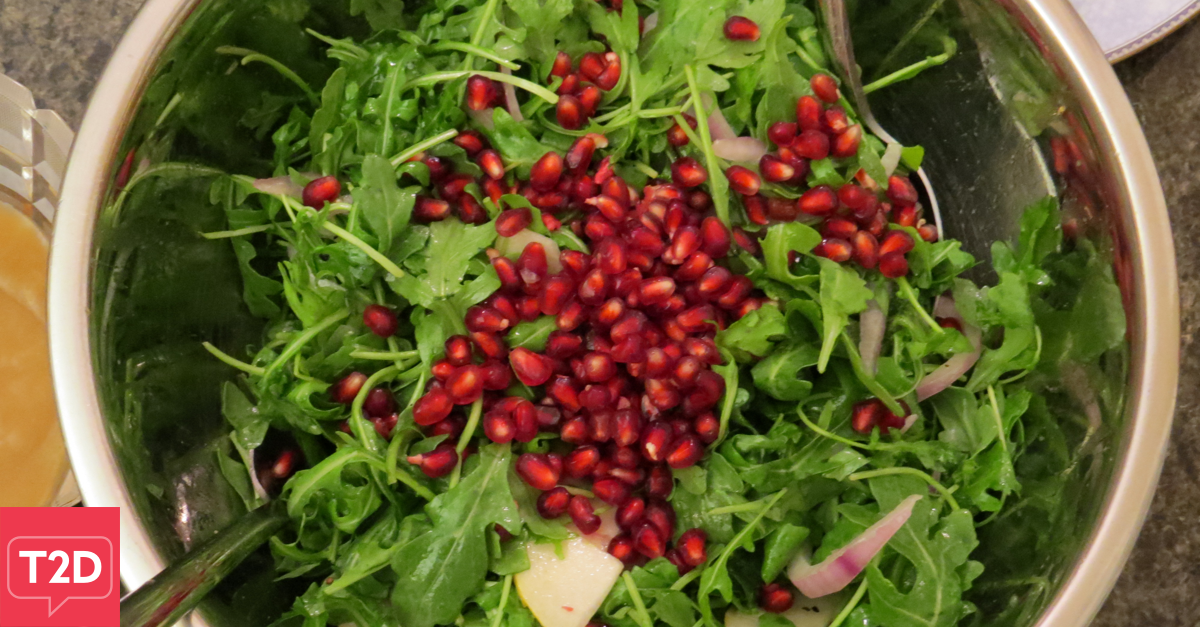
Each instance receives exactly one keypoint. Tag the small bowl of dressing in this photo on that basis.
(33, 148)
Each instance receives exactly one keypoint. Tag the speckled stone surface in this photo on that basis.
(59, 47)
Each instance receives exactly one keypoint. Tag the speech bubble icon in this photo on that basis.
(59, 568)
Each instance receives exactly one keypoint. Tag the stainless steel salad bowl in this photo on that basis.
(1023, 67)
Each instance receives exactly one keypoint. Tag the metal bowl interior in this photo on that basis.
(140, 405)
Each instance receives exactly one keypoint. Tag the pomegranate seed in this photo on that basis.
(818, 201)
(570, 85)
(949, 323)
(347, 388)
(379, 404)
(555, 294)
(546, 172)
(687, 172)
(684, 452)
(583, 515)
(433, 407)
(380, 320)
(773, 597)
(775, 169)
(438, 462)
(600, 425)
(610, 256)
(630, 513)
(506, 269)
(811, 144)
(525, 421)
(591, 65)
(866, 249)
(604, 171)
(714, 282)
(662, 394)
(576, 431)
(562, 65)
(621, 547)
(594, 287)
(431, 209)
(611, 491)
(629, 351)
(562, 345)
(599, 367)
(691, 547)
(490, 345)
(656, 438)
(896, 241)
(694, 266)
(538, 471)
(442, 369)
(438, 167)
(697, 319)
(846, 144)
(579, 156)
(553, 503)
(595, 396)
(686, 370)
(572, 315)
(743, 180)
(834, 121)
(839, 227)
(569, 112)
(739, 28)
(465, 385)
(627, 425)
(676, 136)
(893, 265)
(529, 307)
(608, 207)
(901, 191)
(611, 74)
(707, 427)
(659, 482)
(589, 98)
(581, 462)
(492, 165)
(808, 113)
(452, 427)
(458, 350)
(907, 215)
(834, 249)
(714, 238)
(877, 225)
(656, 290)
(661, 516)
(470, 141)
(481, 92)
(928, 232)
(825, 87)
(531, 368)
(320, 191)
(548, 417)
(781, 134)
(649, 541)
(499, 427)
(562, 391)
(676, 559)
(532, 263)
(685, 242)
(470, 211)
(486, 319)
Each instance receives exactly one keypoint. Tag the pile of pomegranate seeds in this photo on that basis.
(855, 220)
(627, 372)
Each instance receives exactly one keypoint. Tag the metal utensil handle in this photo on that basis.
(176, 590)
(840, 47)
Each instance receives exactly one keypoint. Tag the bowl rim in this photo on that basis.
(1152, 378)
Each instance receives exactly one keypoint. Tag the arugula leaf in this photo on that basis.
(965, 425)
(938, 550)
(779, 374)
(452, 246)
(782, 545)
(843, 294)
(752, 335)
(437, 571)
(675, 609)
(250, 426)
(338, 489)
(532, 334)
(381, 202)
(781, 240)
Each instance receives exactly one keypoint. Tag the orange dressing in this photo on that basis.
(33, 458)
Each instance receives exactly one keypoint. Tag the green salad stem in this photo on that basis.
(716, 178)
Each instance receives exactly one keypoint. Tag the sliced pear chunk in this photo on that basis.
(567, 592)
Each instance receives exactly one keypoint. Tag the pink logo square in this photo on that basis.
(61, 567)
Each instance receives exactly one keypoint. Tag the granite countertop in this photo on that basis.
(58, 48)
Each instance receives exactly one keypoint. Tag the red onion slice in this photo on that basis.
(483, 118)
(746, 149)
(718, 126)
(843, 565)
(279, 186)
(510, 98)
(946, 374)
(871, 327)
